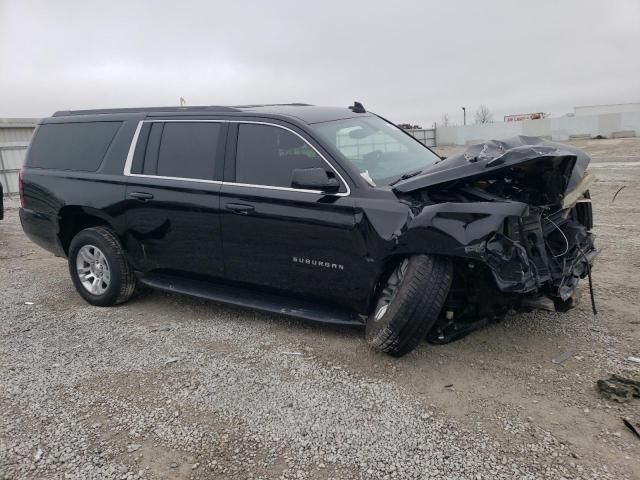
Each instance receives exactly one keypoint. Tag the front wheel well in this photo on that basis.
(72, 220)
(410, 304)
(388, 266)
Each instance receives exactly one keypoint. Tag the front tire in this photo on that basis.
(409, 304)
(99, 269)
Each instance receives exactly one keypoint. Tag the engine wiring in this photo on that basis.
(563, 235)
(591, 294)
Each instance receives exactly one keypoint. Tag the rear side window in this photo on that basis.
(267, 155)
(72, 146)
(184, 149)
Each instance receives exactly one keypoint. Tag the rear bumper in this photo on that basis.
(42, 230)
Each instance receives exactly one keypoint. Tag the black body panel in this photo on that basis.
(50, 194)
(177, 229)
(303, 243)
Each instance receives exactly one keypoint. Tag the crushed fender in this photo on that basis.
(516, 214)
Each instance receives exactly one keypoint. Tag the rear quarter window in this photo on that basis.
(71, 146)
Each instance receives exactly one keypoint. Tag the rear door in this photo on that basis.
(279, 237)
(172, 197)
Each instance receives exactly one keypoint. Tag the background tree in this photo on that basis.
(483, 115)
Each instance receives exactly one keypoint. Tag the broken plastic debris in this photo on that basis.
(619, 389)
(633, 426)
(562, 358)
(634, 359)
(160, 329)
(28, 303)
(171, 360)
(291, 353)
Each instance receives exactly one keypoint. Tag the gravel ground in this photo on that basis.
(171, 387)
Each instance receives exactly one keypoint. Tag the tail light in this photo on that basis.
(20, 189)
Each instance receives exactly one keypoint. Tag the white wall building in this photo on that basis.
(605, 109)
(617, 124)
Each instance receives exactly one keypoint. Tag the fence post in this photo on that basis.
(4, 175)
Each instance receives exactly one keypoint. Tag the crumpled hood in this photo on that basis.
(496, 155)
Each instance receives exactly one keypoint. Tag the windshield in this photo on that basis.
(380, 151)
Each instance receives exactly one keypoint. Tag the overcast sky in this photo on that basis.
(411, 61)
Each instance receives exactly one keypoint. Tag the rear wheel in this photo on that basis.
(409, 304)
(99, 269)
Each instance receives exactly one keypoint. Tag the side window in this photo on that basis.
(267, 155)
(72, 146)
(184, 149)
(188, 150)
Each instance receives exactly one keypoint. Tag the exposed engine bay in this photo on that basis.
(519, 216)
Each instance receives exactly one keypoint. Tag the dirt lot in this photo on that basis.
(171, 387)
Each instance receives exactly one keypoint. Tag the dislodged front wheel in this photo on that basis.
(409, 304)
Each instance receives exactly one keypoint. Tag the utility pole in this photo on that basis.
(464, 114)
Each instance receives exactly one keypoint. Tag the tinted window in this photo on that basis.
(72, 146)
(268, 155)
(187, 150)
(150, 163)
(379, 150)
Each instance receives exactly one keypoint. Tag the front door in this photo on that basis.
(279, 237)
(173, 201)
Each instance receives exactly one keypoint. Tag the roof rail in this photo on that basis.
(294, 104)
(209, 108)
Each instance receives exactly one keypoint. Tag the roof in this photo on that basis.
(300, 111)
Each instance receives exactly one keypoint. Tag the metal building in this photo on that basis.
(426, 136)
(15, 134)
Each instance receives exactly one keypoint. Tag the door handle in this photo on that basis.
(240, 208)
(141, 196)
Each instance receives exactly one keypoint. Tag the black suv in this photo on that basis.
(328, 214)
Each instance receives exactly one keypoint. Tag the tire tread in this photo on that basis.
(416, 306)
(128, 280)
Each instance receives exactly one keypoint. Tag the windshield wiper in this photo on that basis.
(405, 176)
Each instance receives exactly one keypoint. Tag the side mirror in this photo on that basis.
(314, 179)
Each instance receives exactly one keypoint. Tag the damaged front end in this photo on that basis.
(516, 217)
